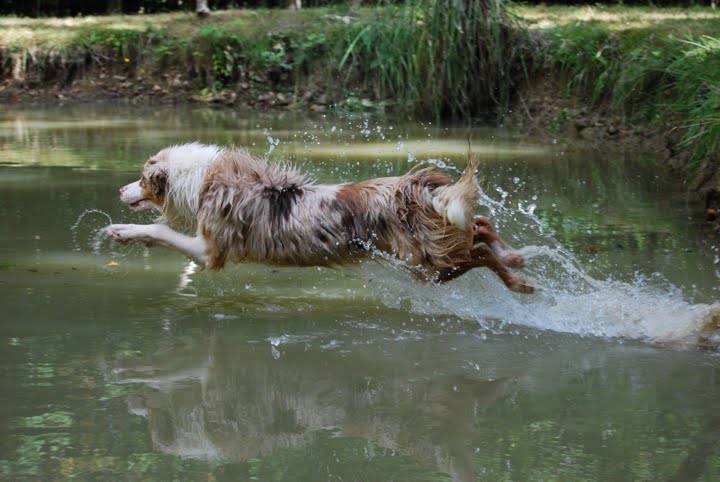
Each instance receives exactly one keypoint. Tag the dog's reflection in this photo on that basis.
(216, 401)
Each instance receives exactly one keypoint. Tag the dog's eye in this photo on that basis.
(142, 183)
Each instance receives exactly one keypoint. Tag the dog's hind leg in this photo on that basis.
(194, 247)
(484, 257)
(484, 232)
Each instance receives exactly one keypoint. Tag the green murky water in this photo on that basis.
(123, 362)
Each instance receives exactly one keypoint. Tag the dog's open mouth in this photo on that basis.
(139, 204)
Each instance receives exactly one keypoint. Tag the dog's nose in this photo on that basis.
(122, 189)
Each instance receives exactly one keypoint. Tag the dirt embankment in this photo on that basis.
(173, 87)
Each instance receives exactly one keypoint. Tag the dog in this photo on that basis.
(246, 209)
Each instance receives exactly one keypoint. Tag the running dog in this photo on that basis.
(246, 209)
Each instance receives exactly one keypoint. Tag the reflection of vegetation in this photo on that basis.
(340, 457)
(88, 138)
(587, 444)
(34, 454)
(46, 420)
(590, 420)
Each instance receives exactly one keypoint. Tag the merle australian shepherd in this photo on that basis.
(247, 209)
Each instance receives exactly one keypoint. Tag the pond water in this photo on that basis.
(125, 362)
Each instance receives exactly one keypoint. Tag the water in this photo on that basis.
(127, 362)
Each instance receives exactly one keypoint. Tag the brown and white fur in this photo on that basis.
(246, 209)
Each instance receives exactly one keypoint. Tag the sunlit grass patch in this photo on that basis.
(545, 17)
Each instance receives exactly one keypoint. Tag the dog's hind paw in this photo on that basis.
(521, 285)
(512, 260)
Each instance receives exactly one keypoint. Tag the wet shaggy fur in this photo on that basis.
(253, 211)
(247, 209)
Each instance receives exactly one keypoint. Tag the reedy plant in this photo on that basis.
(696, 74)
(441, 58)
(678, 80)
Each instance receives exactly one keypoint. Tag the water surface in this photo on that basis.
(124, 362)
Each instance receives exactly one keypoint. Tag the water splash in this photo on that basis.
(570, 300)
(608, 309)
(97, 236)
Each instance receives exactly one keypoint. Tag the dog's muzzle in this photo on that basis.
(131, 195)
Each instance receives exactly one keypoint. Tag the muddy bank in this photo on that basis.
(171, 88)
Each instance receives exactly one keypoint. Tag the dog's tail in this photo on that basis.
(456, 202)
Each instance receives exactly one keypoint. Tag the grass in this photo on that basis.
(650, 65)
(612, 53)
(695, 74)
(213, 51)
(437, 59)
(431, 58)
(62, 32)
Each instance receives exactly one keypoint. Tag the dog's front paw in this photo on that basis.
(131, 233)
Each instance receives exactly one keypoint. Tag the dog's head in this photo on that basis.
(181, 167)
(149, 191)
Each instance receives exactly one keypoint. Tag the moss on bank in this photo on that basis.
(646, 66)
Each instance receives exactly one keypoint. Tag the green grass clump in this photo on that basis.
(652, 66)
(695, 74)
(440, 57)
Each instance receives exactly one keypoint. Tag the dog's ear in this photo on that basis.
(158, 182)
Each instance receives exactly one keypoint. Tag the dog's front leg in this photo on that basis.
(194, 247)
